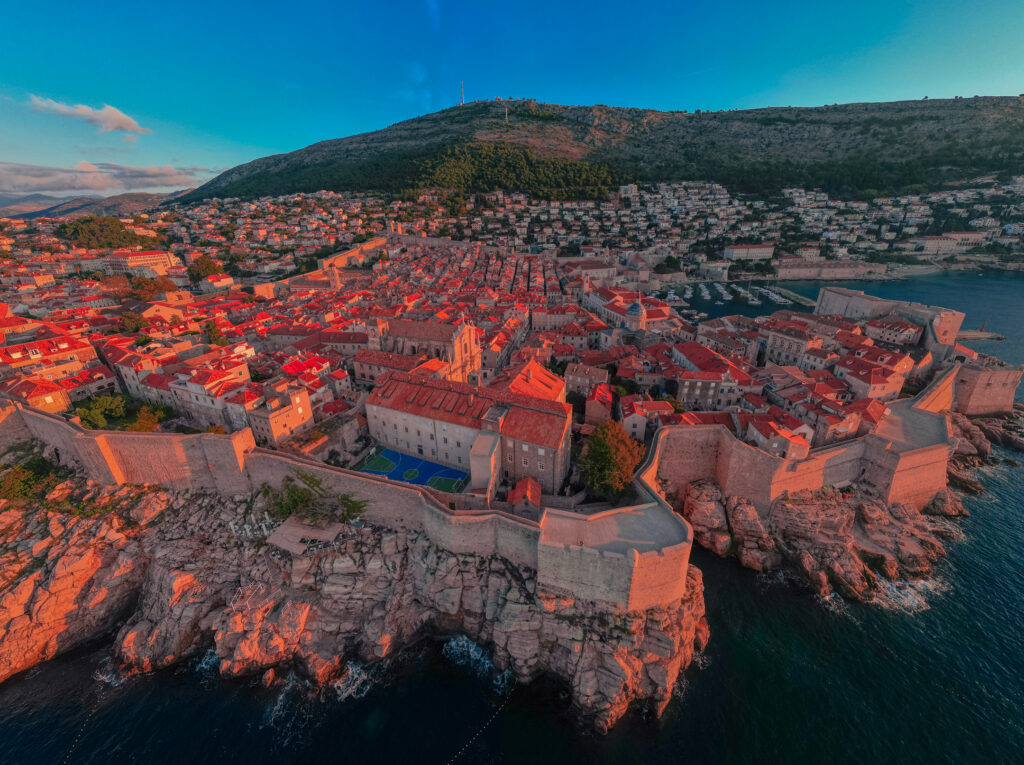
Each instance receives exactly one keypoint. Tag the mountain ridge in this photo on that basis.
(847, 149)
(41, 206)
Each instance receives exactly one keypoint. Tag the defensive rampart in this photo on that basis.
(904, 459)
(605, 569)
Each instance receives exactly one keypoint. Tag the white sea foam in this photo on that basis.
(463, 652)
(108, 674)
(911, 597)
(354, 684)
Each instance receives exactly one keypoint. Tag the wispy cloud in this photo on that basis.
(108, 119)
(101, 176)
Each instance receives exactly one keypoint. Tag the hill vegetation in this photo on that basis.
(853, 150)
(97, 232)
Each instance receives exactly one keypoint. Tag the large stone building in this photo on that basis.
(493, 434)
(456, 344)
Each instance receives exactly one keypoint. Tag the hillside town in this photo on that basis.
(490, 360)
(653, 236)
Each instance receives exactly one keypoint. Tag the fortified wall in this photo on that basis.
(635, 558)
(904, 459)
(986, 386)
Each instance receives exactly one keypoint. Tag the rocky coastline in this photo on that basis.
(846, 540)
(167, 576)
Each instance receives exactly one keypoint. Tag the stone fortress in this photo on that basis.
(632, 558)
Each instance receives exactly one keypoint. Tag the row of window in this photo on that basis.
(526, 462)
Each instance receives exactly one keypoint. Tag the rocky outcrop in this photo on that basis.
(729, 526)
(67, 578)
(171, 576)
(842, 541)
(704, 508)
(972, 440)
(755, 548)
(848, 541)
(975, 439)
(1003, 431)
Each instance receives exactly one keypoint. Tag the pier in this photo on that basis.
(978, 334)
(798, 299)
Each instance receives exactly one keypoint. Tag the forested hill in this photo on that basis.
(581, 151)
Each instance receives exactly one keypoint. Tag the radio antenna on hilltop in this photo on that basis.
(462, 87)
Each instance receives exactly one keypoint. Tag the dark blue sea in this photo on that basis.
(935, 674)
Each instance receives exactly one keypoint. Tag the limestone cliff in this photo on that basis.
(841, 540)
(171, 575)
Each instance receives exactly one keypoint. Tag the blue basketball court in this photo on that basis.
(403, 467)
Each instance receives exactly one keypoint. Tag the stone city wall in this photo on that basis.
(986, 390)
(914, 477)
(232, 464)
(587, 573)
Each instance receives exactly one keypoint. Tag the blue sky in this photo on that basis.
(194, 88)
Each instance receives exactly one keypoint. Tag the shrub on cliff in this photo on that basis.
(609, 461)
(305, 495)
(32, 480)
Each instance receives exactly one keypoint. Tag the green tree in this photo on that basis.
(131, 321)
(609, 461)
(97, 232)
(202, 267)
(119, 286)
(213, 334)
(147, 421)
(94, 412)
(147, 289)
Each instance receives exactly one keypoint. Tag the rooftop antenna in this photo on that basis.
(462, 87)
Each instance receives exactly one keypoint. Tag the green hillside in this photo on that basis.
(580, 151)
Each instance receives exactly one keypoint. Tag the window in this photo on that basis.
(446, 439)
(540, 466)
(510, 458)
(431, 436)
(458, 444)
(526, 462)
(540, 451)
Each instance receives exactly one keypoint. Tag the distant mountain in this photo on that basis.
(850, 149)
(118, 206)
(19, 205)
